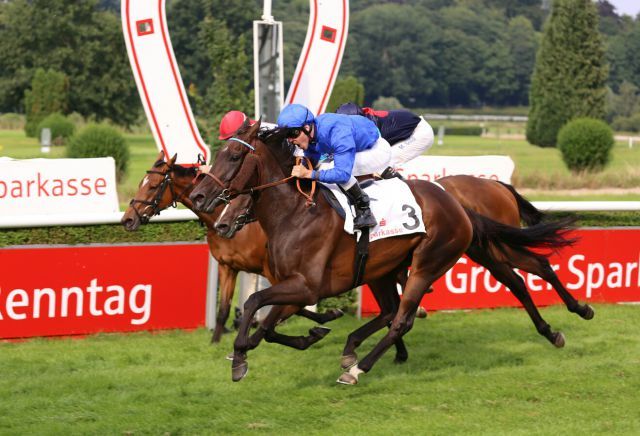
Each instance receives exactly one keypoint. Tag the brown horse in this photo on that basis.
(501, 203)
(166, 184)
(310, 255)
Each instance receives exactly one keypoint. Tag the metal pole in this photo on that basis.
(266, 11)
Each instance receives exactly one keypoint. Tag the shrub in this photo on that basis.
(387, 103)
(48, 94)
(99, 140)
(11, 121)
(346, 90)
(61, 128)
(463, 130)
(585, 144)
(627, 124)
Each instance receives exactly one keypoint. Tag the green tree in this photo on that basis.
(346, 90)
(623, 54)
(570, 72)
(48, 94)
(521, 39)
(231, 74)
(75, 38)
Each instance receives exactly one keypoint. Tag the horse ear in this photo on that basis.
(160, 156)
(173, 159)
(253, 131)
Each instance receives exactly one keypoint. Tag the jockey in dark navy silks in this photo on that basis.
(354, 143)
(408, 134)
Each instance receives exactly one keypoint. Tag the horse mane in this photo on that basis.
(276, 142)
(178, 170)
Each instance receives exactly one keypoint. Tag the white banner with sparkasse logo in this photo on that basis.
(57, 186)
(432, 168)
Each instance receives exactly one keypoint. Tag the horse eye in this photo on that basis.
(235, 157)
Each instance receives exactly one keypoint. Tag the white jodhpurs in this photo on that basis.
(420, 141)
(374, 160)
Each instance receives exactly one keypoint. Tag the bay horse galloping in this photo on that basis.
(166, 184)
(501, 203)
(310, 255)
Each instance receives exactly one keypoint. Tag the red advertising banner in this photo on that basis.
(604, 266)
(80, 290)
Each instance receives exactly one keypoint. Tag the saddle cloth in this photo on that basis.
(392, 204)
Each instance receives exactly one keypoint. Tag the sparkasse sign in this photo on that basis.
(53, 186)
(603, 267)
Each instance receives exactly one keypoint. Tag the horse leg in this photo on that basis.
(292, 291)
(266, 330)
(388, 300)
(505, 275)
(320, 318)
(227, 277)
(540, 266)
(431, 259)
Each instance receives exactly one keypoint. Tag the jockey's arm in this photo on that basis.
(344, 153)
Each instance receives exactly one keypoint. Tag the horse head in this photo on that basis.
(235, 216)
(249, 158)
(164, 185)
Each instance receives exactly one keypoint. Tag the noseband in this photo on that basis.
(154, 204)
(227, 195)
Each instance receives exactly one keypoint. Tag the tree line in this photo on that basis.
(425, 53)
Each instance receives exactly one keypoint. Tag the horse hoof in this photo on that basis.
(319, 332)
(239, 372)
(229, 357)
(348, 361)
(337, 313)
(421, 312)
(589, 313)
(558, 341)
(401, 358)
(347, 379)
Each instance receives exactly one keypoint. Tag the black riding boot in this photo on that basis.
(364, 217)
(390, 173)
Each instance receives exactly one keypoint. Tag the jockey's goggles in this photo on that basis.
(293, 133)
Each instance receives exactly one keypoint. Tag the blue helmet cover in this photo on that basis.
(295, 115)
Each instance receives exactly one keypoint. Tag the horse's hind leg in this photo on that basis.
(431, 259)
(386, 295)
(227, 276)
(320, 318)
(540, 266)
(266, 330)
(505, 275)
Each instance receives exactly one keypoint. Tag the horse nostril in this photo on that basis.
(222, 229)
(198, 201)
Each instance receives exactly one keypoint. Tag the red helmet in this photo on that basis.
(231, 122)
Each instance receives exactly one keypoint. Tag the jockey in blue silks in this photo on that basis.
(355, 144)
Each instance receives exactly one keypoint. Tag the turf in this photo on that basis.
(480, 372)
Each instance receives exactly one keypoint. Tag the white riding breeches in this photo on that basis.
(420, 141)
(374, 160)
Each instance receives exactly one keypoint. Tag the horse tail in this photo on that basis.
(550, 235)
(528, 212)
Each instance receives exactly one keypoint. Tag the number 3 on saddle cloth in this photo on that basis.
(391, 202)
(393, 206)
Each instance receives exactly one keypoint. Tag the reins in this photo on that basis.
(226, 195)
(155, 203)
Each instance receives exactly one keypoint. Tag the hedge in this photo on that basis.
(192, 231)
(463, 130)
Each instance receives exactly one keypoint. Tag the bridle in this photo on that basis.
(227, 194)
(167, 181)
